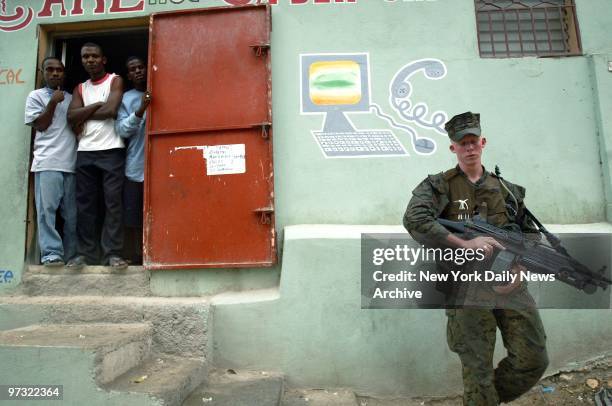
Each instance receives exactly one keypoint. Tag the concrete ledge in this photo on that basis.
(117, 347)
(180, 325)
(90, 269)
(249, 296)
(169, 379)
(238, 388)
(319, 397)
(98, 280)
(338, 231)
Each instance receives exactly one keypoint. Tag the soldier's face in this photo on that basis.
(469, 149)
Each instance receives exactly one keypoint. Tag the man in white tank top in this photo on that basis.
(100, 161)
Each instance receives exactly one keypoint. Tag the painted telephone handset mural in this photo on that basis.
(400, 91)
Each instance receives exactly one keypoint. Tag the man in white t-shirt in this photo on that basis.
(100, 161)
(53, 165)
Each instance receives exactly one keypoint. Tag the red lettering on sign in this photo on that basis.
(1, 72)
(17, 80)
(45, 11)
(19, 13)
(77, 8)
(99, 7)
(238, 2)
(274, 2)
(116, 7)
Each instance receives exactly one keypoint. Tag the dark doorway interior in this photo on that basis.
(117, 46)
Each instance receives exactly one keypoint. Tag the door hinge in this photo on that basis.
(265, 214)
(265, 129)
(260, 49)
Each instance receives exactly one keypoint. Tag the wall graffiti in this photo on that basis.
(337, 85)
(6, 276)
(10, 77)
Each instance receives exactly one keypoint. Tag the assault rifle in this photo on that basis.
(534, 255)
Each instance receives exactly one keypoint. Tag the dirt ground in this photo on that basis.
(567, 388)
(571, 388)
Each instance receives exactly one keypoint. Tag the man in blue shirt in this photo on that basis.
(130, 125)
(53, 165)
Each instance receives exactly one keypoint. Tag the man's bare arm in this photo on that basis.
(77, 113)
(43, 121)
(111, 107)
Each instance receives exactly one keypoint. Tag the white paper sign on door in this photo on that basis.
(225, 159)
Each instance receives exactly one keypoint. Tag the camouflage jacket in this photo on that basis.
(431, 198)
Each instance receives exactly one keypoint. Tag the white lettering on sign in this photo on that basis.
(225, 159)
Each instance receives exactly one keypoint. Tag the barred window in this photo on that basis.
(515, 28)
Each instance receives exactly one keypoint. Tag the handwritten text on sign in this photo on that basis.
(225, 159)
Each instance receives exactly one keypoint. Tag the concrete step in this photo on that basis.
(116, 348)
(164, 377)
(238, 388)
(319, 397)
(180, 325)
(91, 281)
(427, 401)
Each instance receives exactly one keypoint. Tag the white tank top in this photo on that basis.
(98, 135)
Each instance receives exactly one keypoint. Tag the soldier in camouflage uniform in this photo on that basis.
(456, 195)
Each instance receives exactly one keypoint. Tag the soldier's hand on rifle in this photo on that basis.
(486, 244)
(511, 287)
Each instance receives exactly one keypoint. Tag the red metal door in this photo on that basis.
(209, 198)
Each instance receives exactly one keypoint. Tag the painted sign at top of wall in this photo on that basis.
(14, 18)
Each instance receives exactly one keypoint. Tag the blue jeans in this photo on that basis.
(55, 190)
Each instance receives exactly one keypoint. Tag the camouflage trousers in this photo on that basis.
(471, 334)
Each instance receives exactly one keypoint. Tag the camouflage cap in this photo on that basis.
(463, 124)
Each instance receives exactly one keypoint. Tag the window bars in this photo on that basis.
(516, 28)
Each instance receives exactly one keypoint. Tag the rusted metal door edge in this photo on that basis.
(170, 267)
(264, 126)
(212, 10)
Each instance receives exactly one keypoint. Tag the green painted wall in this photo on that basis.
(315, 332)
(549, 128)
(545, 118)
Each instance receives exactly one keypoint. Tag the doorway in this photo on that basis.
(119, 40)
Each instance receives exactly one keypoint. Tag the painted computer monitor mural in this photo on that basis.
(337, 85)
